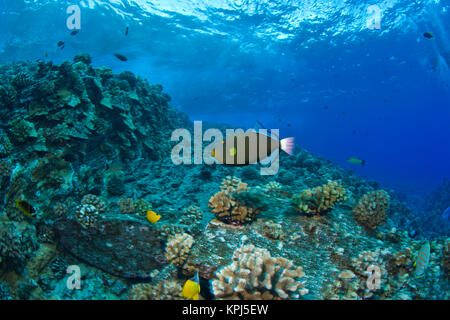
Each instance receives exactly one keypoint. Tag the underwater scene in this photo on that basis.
(224, 150)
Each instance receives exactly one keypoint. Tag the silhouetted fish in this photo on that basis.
(74, 32)
(428, 35)
(126, 31)
(61, 44)
(120, 57)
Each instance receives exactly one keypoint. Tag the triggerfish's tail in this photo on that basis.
(287, 145)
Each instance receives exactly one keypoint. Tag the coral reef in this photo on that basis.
(163, 290)
(321, 199)
(255, 274)
(81, 144)
(370, 211)
(94, 201)
(178, 249)
(229, 209)
(17, 243)
(87, 215)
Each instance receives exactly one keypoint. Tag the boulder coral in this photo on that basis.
(227, 208)
(321, 199)
(255, 275)
(370, 211)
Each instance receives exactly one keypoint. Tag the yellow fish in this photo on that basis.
(26, 208)
(191, 288)
(153, 217)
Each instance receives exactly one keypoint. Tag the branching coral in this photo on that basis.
(227, 207)
(363, 266)
(141, 207)
(192, 218)
(163, 290)
(95, 201)
(345, 287)
(126, 205)
(60, 209)
(321, 199)
(178, 249)
(255, 274)
(371, 209)
(86, 215)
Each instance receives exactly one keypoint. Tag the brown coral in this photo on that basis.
(227, 208)
(178, 248)
(255, 274)
(321, 199)
(371, 209)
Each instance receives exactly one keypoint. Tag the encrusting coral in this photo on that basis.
(255, 274)
(371, 209)
(178, 248)
(321, 199)
(227, 208)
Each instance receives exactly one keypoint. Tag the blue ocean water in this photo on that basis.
(345, 90)
(315, 70)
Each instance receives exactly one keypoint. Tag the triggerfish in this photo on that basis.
(26, 208)
(422, 260)
(153, 217)
(191, 288)
(243, 149)
(354, 160)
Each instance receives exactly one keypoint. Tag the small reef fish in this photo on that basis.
(126, 31)
(428, 35)
(153, 217)
(354, 160)
(228, 153)
(121, 57)
(61, 44)
(422, 260)
(74, 32)
(446, 214)
(191, 288)
(26, 208)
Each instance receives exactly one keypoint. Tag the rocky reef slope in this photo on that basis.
(89, 150)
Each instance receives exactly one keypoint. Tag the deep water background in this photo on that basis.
(311, 68)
